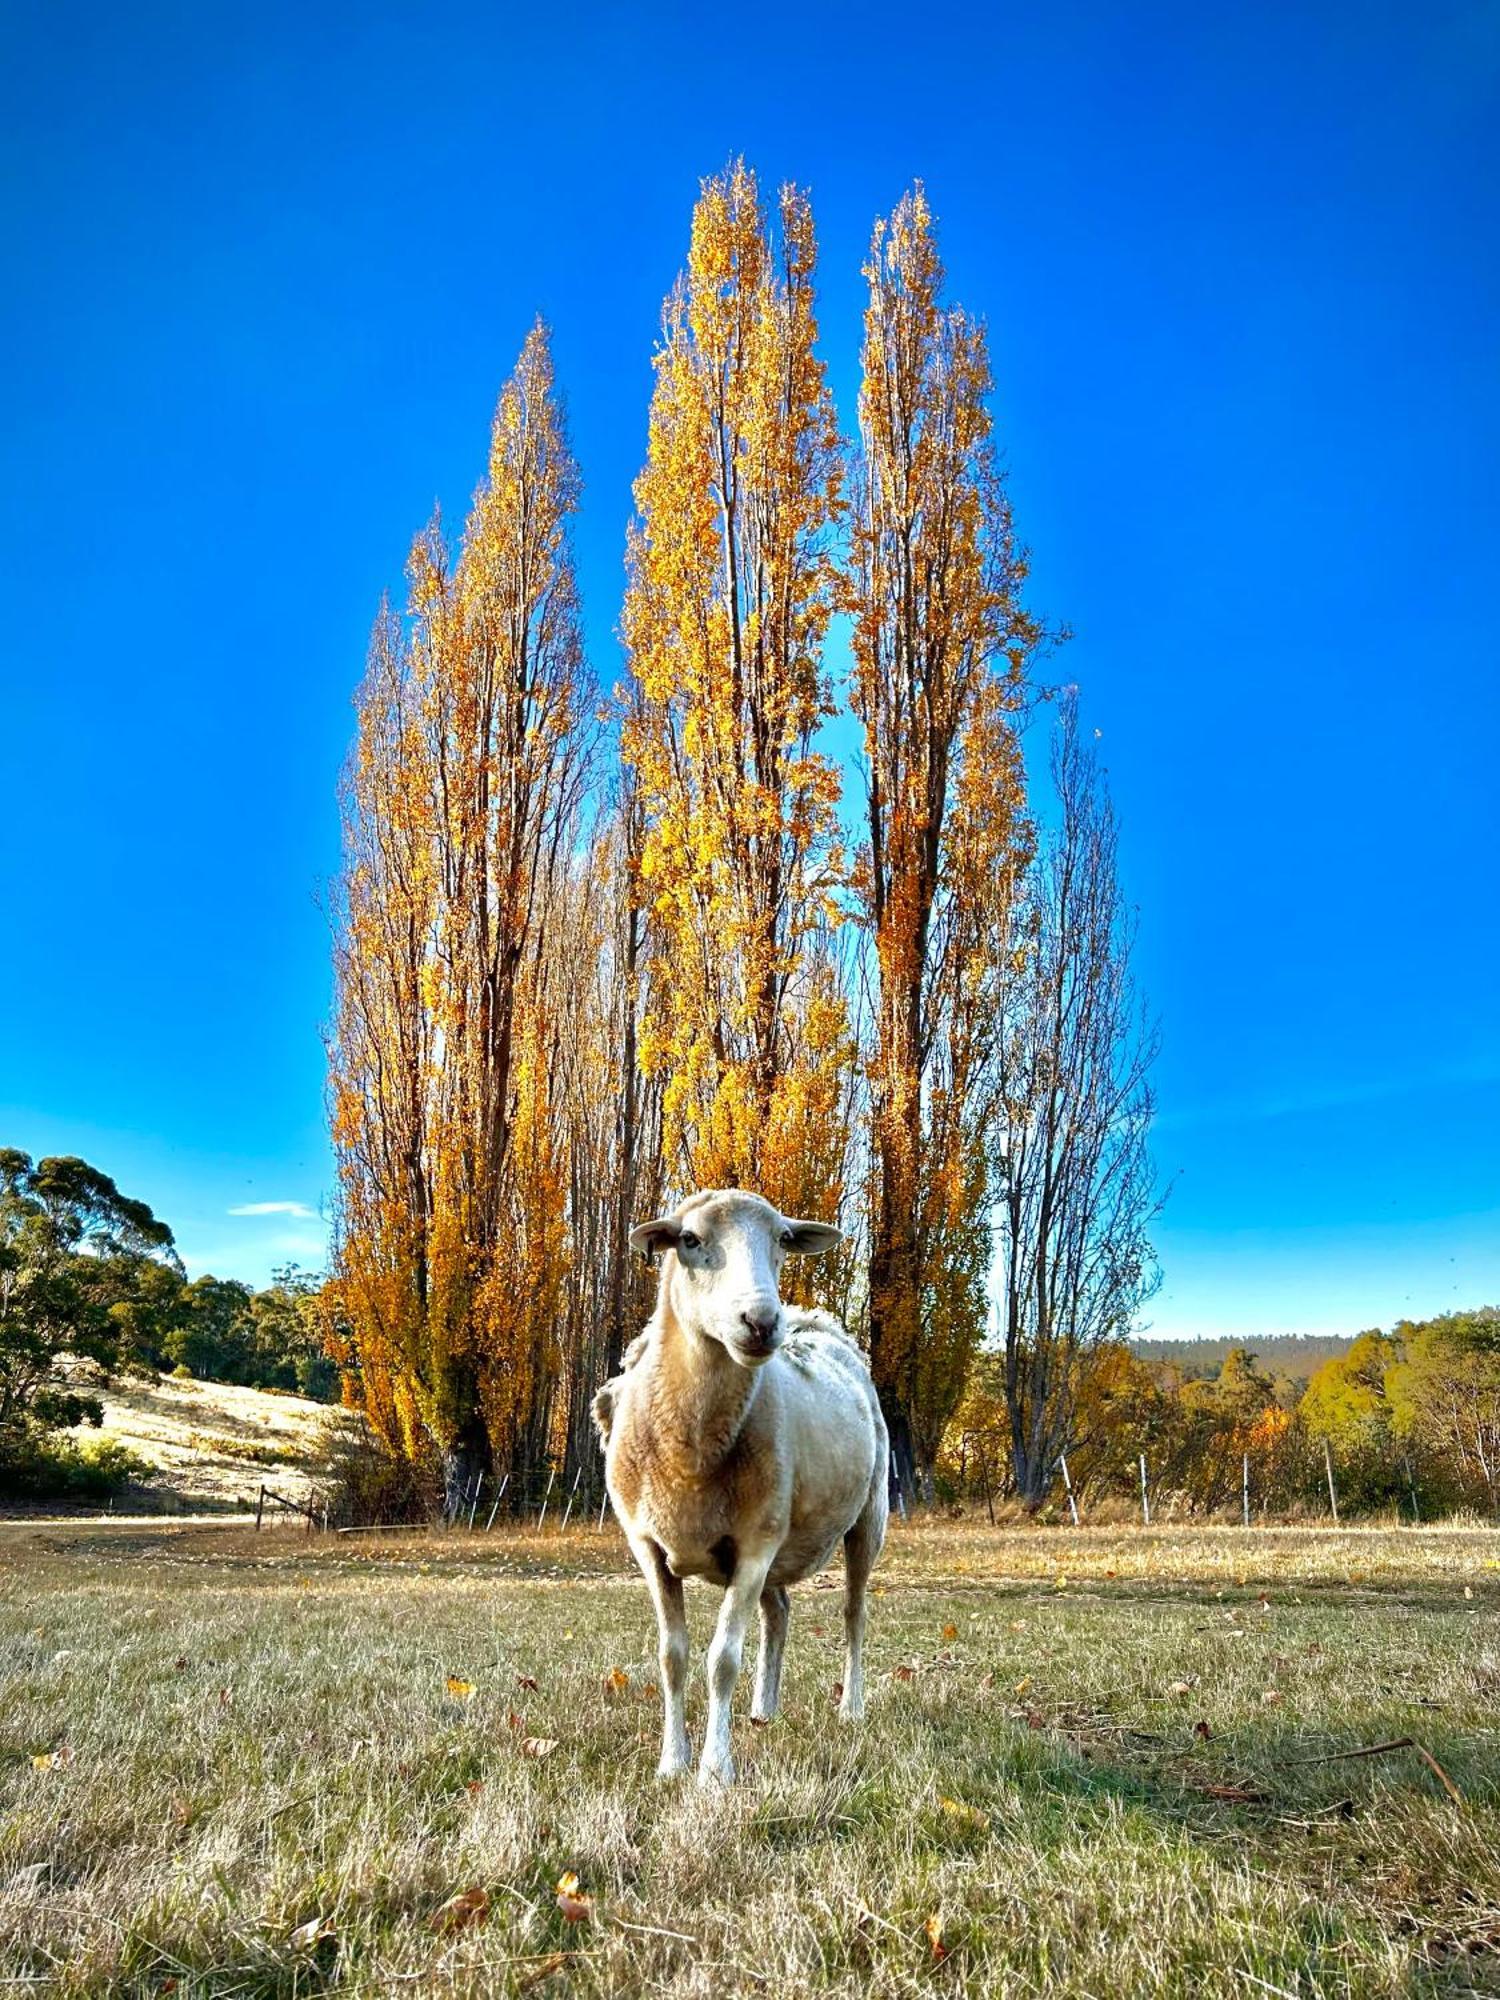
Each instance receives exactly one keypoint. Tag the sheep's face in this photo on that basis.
(725, 1251)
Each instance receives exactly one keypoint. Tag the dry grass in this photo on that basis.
(213, 1443)
(1089, 1762)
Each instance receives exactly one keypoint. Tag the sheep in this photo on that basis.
(743, 1442)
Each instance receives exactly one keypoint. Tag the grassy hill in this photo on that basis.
(211, 1443)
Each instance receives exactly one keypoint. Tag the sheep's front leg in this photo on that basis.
(724, 1655)
(672, 1653)
(775, 1613)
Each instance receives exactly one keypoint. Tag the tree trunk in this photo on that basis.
(465, 1459)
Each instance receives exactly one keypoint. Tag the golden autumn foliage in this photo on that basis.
(941, 640)
(570, 987)
(731, 584)
(460, 805)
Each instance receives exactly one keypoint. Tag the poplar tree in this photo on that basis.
(460, 807)
(731, 586)
(941, 642)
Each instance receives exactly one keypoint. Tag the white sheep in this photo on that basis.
(743, 1443)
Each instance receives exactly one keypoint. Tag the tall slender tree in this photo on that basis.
(460, 806)
(941, 641)
(1074, 1178)
(731, 581)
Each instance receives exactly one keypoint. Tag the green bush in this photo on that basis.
(36, 1466)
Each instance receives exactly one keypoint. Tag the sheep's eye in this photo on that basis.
(786, 1239)
(687, 1240)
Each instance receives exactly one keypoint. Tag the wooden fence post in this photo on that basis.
(1416, 1512)
(1333, 1498)
(1245, 1487)
(1145, 1496)
(1068, 1485)
(260, 1508)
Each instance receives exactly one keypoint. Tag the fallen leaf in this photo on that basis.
(573, 1901)
(513, 1719)
(1023, 1683)
(538, 1746)
(1180, 1688)
(1202, 1730)
(902, 1673)
(1270, 1697)
(308, 1936)
(838, 1691)
(543, 1969)
(617, 1680)
(966, 1815)
(474, 1787)
(461, 1690)
(1467, 1591)
(470, 1906)
(52, 1760)
(934, 1929)
(950, 1631)
(526, 1681)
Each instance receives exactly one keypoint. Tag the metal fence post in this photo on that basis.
(1145, 1496)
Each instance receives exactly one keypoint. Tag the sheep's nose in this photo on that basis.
(761, 1327)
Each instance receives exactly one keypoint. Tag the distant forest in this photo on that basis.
(1294, 1355)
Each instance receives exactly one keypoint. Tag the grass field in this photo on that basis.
(1096, 1762)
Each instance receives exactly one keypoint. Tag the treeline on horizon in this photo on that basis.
(1406, 1421)
(1294, 1355)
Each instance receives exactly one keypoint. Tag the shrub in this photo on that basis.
(363, 1484)
(34, 1466)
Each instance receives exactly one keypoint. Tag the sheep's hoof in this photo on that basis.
(713, 1776)
(851, 1711)
(676, 1761)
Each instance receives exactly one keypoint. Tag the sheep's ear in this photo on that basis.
(811, 1239)
(649, 1237)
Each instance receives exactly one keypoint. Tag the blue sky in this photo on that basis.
(266, 269)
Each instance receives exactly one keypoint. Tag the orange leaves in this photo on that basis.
(460, 1690)
(461, 1912)
(572, 1900)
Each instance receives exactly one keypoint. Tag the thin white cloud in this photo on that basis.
(298, 1208)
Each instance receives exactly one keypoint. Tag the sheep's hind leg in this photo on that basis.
(672, 1653)
(862, 1545)
(716, 1765)
(775, 1614)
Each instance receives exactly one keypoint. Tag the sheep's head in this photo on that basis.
(723, 1255)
